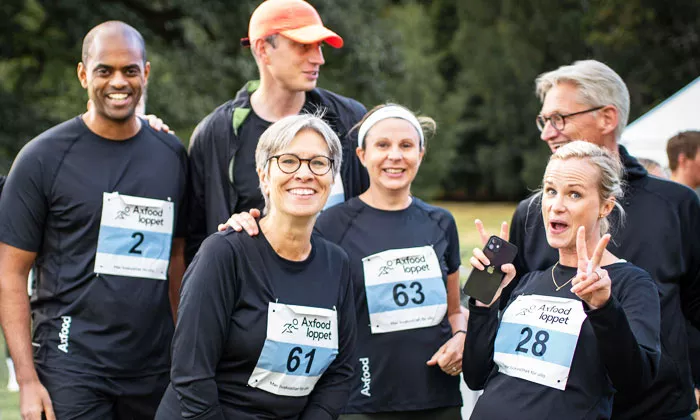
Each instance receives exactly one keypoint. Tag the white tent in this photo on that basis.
(647, 136)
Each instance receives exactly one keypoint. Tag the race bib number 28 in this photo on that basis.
(135, 236)
(537, 339)
(405, 289)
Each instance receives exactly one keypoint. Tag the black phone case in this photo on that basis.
(482, 285)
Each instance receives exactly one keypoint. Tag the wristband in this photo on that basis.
(459, 331)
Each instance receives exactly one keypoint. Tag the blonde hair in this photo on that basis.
(610, 172)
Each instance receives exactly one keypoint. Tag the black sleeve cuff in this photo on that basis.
(483, 310)
(605, 312)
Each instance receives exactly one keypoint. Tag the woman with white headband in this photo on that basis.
(404, 263)
(404, 259)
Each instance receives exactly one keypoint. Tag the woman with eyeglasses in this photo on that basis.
(266, 324)
(572, 335)
(404, 263)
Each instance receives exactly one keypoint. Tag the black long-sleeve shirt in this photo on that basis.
(660, 234)
(618, 350)
(222, 328)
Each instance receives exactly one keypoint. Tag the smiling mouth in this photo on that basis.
(554, 146)
(394, 171)
(118, 98)
(301, 192)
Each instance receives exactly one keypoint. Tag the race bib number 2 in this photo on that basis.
(135, 236)
(405, 289)
(537, 339)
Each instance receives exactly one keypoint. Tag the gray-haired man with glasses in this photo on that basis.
(660, 233)
(558, 121)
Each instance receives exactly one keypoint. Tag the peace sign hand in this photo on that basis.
(479, 261)
(592, 284)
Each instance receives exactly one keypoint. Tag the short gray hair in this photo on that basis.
(598, 85)
(610, 172)
(280, 134)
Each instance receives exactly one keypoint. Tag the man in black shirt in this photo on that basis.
(285, 37)
(96, 204)
(661, 232)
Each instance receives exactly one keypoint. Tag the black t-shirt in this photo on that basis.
(618, 350)
(390, 369)
(109, 325)
(245, 178)
(223, 324)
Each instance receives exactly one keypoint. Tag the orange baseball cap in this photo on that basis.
(294, 19)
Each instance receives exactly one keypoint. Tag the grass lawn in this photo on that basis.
(464, 213)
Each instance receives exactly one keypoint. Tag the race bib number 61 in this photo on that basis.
(301, 343)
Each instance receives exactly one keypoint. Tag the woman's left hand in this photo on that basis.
(592, 284)
(449, 355)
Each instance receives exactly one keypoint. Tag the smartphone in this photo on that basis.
(483, 284)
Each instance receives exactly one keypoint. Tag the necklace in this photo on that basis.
(556, 286)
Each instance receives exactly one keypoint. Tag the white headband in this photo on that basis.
(389, 111)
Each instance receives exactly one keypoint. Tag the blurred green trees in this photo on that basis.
(470, 65)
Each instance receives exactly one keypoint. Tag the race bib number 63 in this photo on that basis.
(405, 289)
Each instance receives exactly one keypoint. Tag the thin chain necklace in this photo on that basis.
(556, 286)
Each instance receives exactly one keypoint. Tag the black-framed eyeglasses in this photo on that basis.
(558, 121)
(290, 163)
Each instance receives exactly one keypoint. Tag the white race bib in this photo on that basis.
(405, 289)
(301, 343)
(537, 339)
(135, 236)
(337, 194)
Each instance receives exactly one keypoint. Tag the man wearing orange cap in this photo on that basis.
(285, 37)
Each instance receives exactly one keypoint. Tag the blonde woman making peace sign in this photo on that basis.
(574, 334)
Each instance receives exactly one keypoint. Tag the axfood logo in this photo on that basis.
(315, 329)
(290, 327)
(525, 311)
(410, 264)
(312, 327)
(64, 334)
(366, 376)
(148, 216)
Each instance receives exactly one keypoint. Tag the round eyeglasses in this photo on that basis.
(290, 163)
(558, 121)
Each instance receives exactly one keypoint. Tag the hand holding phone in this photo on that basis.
(492, 268)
